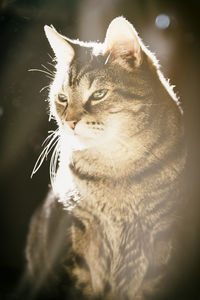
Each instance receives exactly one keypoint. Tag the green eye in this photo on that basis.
(98, 95)
(62, 98)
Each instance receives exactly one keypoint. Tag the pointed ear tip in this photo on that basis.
(119, 19)
(47, 29)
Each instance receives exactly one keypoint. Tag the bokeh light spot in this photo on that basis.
(162, 21)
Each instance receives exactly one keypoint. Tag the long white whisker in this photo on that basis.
(39, 161)
(51, 72)
(54, 137)
(42, 71)
(50, 148)
(45, 87)
(50, 56)
(54, 162)
(50, 145)
(49, 76)
(53, 65)
(52, 133)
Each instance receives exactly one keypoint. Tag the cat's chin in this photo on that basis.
(87, 142)
(70, 140)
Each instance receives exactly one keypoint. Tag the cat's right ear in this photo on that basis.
(62, 49)
(122, 42)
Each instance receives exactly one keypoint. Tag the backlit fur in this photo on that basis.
(118, 181)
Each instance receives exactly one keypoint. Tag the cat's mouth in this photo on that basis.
(76, 137)
(87, 133)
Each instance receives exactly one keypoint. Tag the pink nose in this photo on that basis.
(72, 124)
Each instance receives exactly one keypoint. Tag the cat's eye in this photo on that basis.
(62, 98)
(98, 95)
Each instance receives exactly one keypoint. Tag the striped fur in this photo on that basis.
(117, 241)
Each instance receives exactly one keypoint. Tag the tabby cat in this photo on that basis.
(107, 228)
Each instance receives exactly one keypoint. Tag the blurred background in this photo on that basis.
(170, 28)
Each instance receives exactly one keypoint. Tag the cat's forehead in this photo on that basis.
(88, 68)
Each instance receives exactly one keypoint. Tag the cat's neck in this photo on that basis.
(114, 189)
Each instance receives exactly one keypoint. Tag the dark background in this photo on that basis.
(23, 110)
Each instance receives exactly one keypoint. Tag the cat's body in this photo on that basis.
(111, 225)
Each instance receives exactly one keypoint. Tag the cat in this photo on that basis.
(107, 227)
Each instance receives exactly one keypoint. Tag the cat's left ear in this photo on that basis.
(62, 49)
(122, 42)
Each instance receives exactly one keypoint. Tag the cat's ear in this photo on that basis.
(62, 49)
(122, 41)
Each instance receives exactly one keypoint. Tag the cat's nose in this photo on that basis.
(72, 124)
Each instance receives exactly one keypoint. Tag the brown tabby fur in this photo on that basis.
(117, 240)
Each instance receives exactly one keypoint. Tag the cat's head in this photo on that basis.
(103, 92)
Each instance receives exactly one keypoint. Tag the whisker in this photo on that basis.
(53, 139)
(50, 56)
(49, 77)
(49, 145)
(52, 132)
(42, 71)
(54, 162)
(39, 162)
(51, 72)
(50, 148)
(53, 65)
(45, 87)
